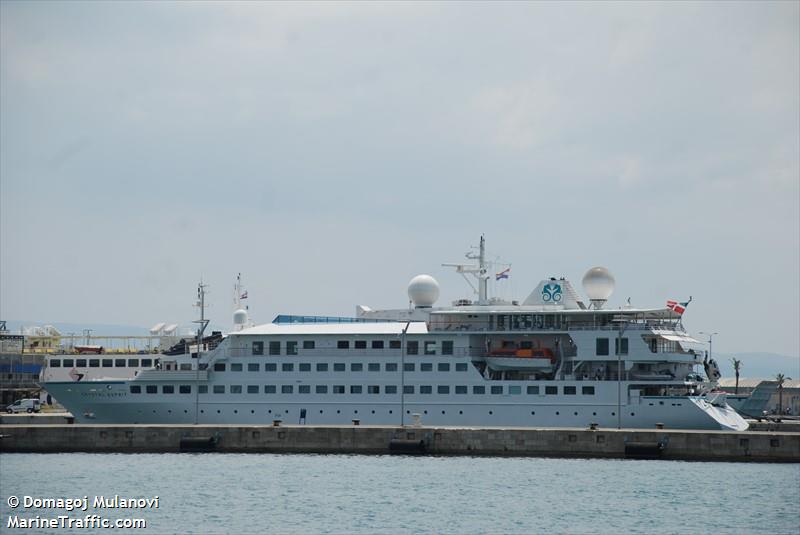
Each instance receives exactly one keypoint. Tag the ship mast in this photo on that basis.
(478, 271)
(201, 303)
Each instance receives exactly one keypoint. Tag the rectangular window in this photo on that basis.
(443, 367)
(270, 366)
(461, 390)
(461, 366)
(338, 366)
(551, 390)
(186, 366)
(443, 389)
(219, 366)
(430, 347)
(287, 367)
(447, 347)
(258, 348)
(133, 363)
(219, 389)
(236, 366)
(355, 389)
(253, 366)
(322, 366)
(426, 389)
(304, 389)
(390, 389)
(377, 344)
(533, 390)
(291, 348)
(252, 389)
(119, 363)
(94, 363)
(287, 389)
(321, 389)
(202, 389)
(497, 389)
(373, 389)
(146, 363)
(55, 363)
(394, 344)
(274, 348)
(621, 343)
(515, 390)
(304, 367)
(136, 389)
(236, 389)
(81, 363)
(409, 367)
(391, 366)
(185, 389)
(356, 367)
(270, 389)
(308, 344)
(426, 367)
(69, 363)
(602, 346)
(108, 363)
(374, 366)
(338, 389)
(587, 390)
(408, 389)
(569, 390)
(478, 389)
(167, 389)
(151, 389)
(361, 344)
(412, 347)
(343, 344)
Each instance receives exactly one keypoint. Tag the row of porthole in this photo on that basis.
(355, 411)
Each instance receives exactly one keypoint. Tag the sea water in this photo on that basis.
(266, 493)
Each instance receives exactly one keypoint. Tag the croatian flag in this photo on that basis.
(244, 295)
(502, 275)
(678, 308)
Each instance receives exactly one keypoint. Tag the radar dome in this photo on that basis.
(423, 290)
(598, 283)
(240, 317)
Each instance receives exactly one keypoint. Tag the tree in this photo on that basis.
(737, 365)
(781, 379)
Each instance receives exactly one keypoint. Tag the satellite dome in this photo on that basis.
(423, 290)
(240, 317)
(598, 283)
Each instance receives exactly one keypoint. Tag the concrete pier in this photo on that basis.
(759, 446)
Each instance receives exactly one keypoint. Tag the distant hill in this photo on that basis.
(759, 365)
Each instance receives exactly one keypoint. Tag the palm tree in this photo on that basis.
(737, 365)
(781, 379)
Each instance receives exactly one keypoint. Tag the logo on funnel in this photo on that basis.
(551, 293)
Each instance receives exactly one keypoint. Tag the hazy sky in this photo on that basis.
(330, 152)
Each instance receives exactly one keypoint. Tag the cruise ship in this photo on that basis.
(551, 360)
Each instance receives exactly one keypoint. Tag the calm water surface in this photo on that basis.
(216, 493)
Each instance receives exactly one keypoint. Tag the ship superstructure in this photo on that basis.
(553, 360)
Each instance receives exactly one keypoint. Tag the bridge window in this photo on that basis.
(146, 363)
(461, 366)
(322, 366)
(132, 363)
(55, 363)
(136, 389)
(533, 390)
(119, 363)
(515, 389)
(551, 390)
(447, 347)
(497, 389)
(236, 367)
(108, 363)
(621, 343)
(94, 363)
(274, 348)
(569, 390)
(478, 389)
(444, 367)
(81, 363)
(151, 389)
(587, 390)
(258, 348)
(394, 344)
(377, 344)
(361, 344)
(168, 389)
(602, 346)
(430, 347)
(412, 347)
(219, 366)
(291, 348)
(308, 344)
